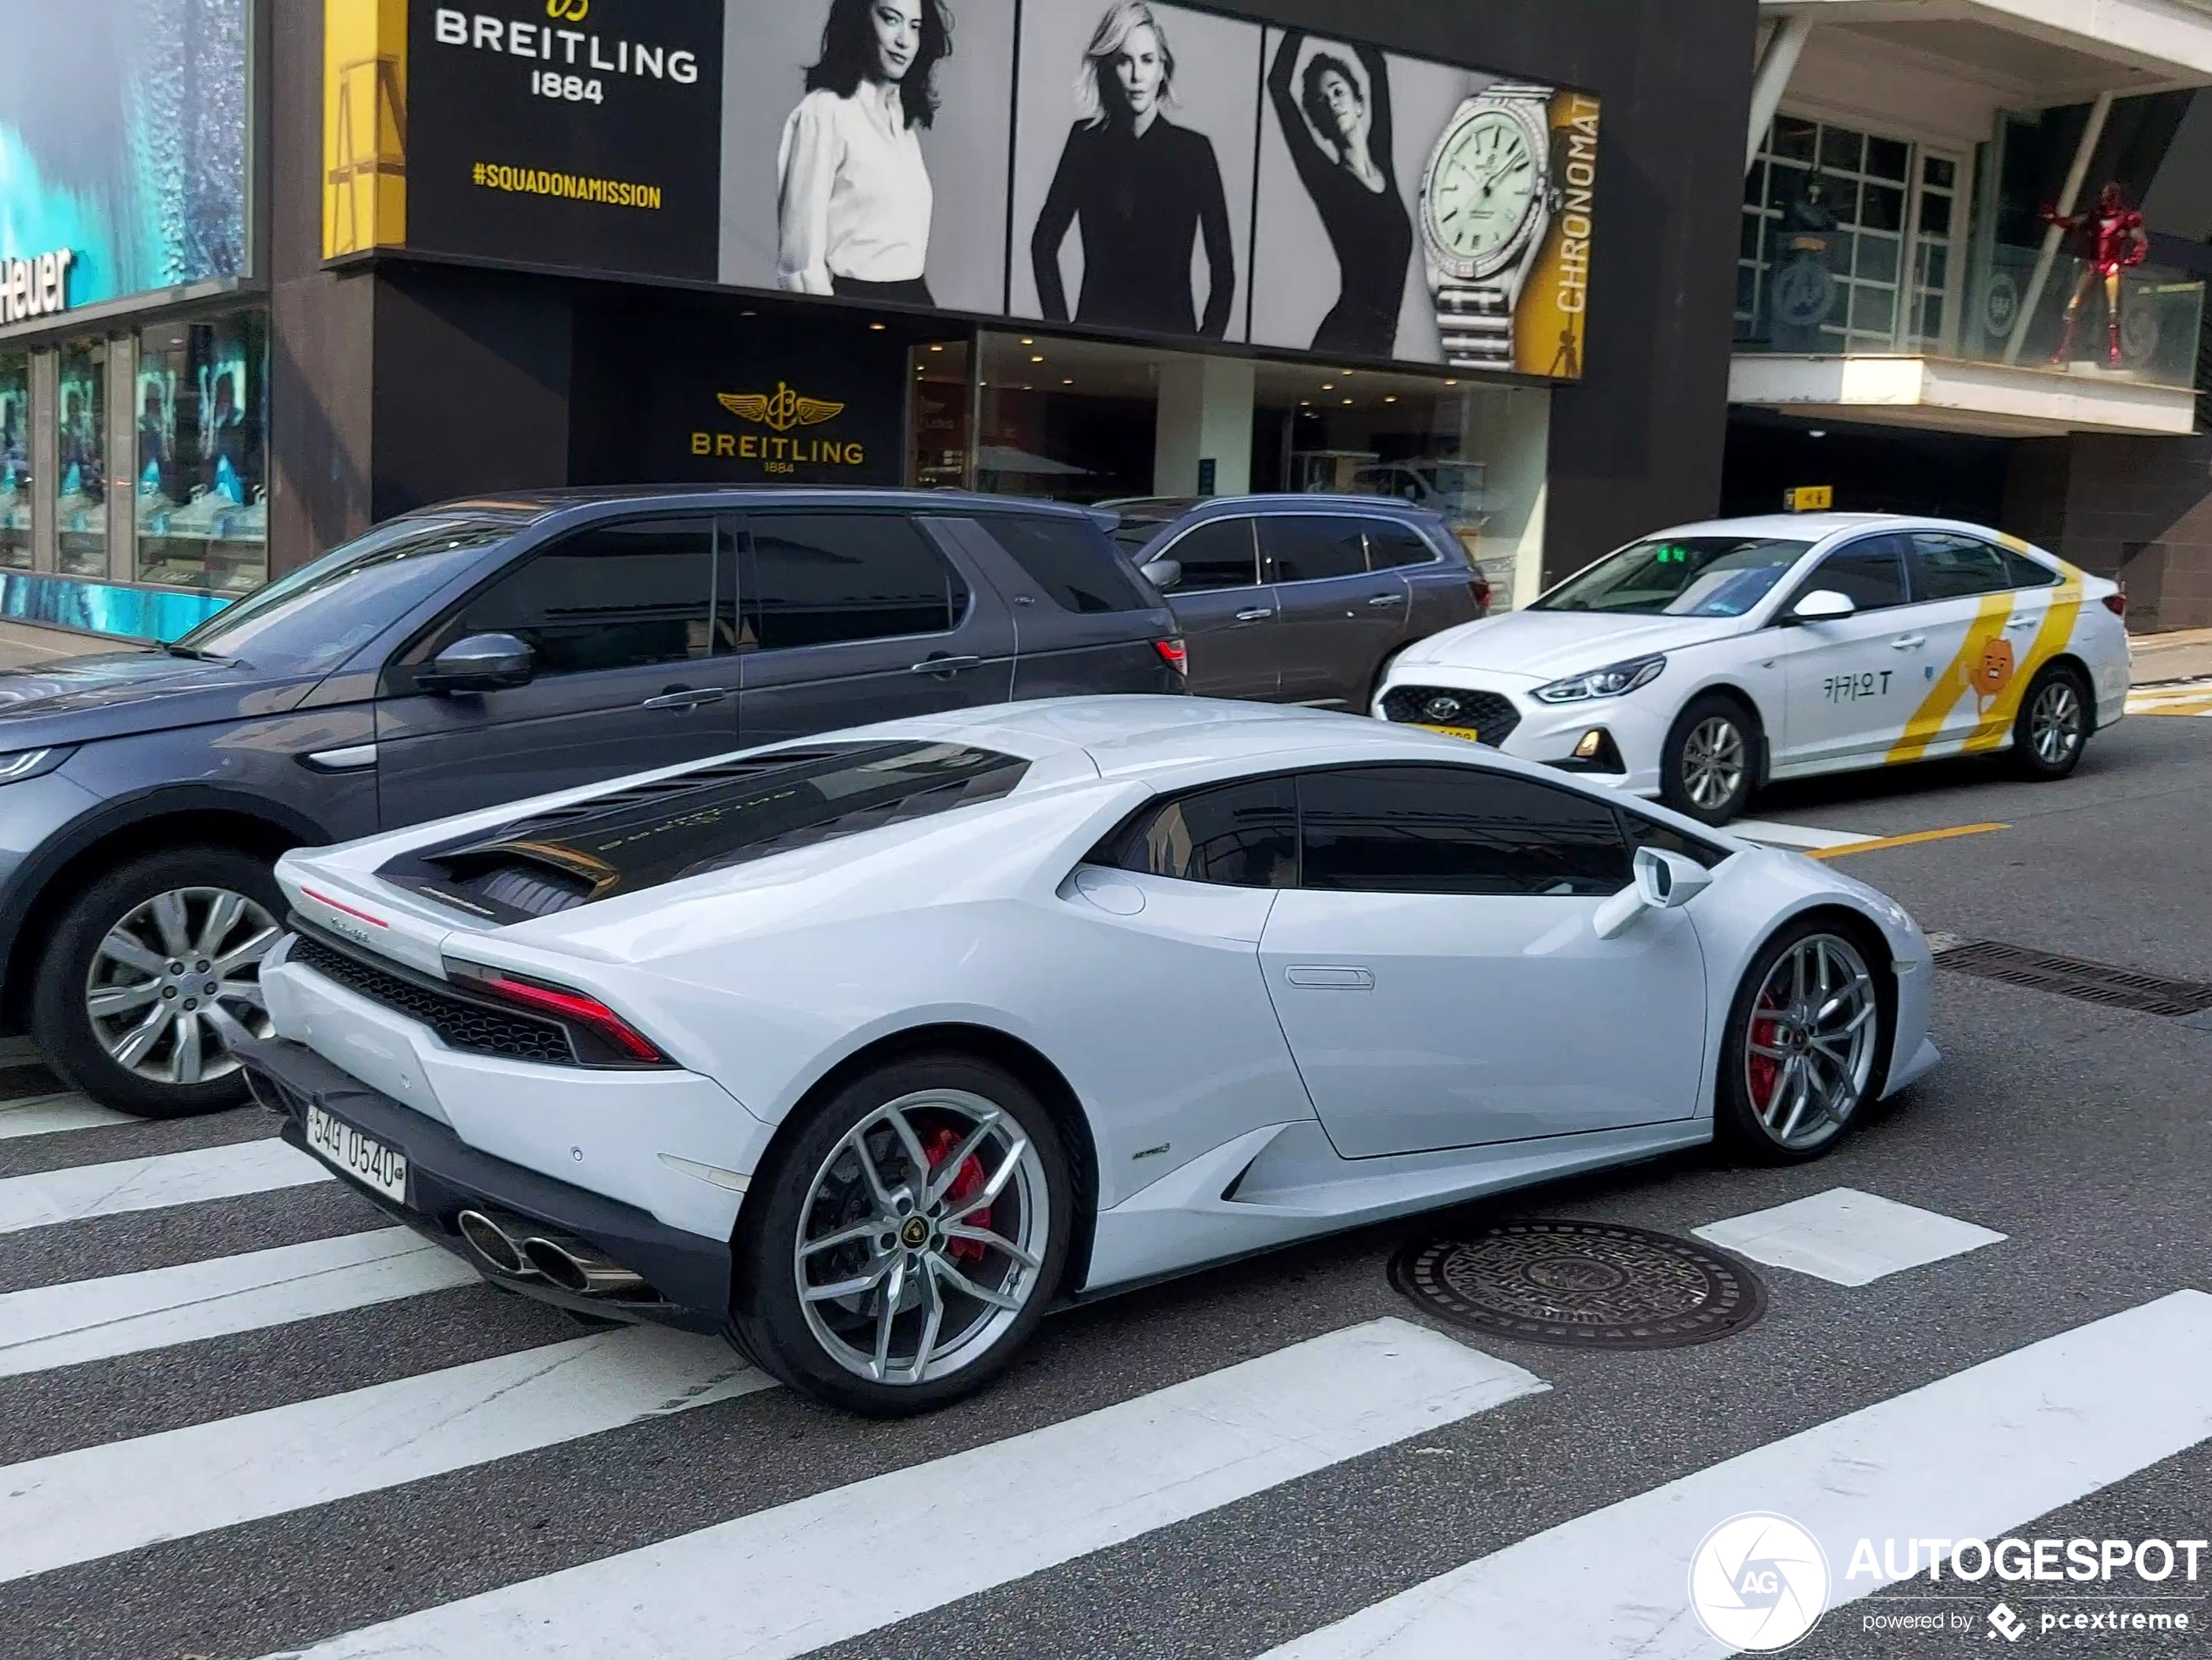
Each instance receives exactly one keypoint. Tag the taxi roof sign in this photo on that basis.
(1809, 498)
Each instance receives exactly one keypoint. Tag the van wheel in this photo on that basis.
(152, 973)
(1712, 760)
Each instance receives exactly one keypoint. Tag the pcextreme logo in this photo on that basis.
(1757, 1582)
(780, 412)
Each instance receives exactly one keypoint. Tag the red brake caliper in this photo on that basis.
(1766, 1072)
(940, 1144)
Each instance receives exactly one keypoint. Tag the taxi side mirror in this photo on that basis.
(1822, 604)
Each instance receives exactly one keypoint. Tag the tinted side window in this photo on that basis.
(1870, 573)
(1240, 835)
(820, 578)
(1454, 830)
(1390, 545)
(614, 596)
(2026, 572)
(1302, 548)
(1217, 554)
(1642, 832)
(1074, 565)
(1956, 567)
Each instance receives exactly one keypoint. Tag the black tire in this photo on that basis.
(813, 1182)
(2054, 725)
(62, 1022)
(1742, 1121)
(1711, 718)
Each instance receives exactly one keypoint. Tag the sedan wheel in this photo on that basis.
(177, 981)
(922, 1237)
(907, 1238)
(1806, 1042)
(2053, 724)
(1709, 764)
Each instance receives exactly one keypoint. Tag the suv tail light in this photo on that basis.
(601, 1036)
(1175, 654)
(1479, 585)
(2117, 604)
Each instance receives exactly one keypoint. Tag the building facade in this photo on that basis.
(278, 269)
(1924, 319)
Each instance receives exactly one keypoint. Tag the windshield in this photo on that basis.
(312, 620)
(1696, 576)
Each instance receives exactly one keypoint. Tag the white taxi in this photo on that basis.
(1697, 665)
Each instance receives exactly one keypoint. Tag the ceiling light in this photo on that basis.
(1036, 360)
(1818, 432)
(936, 349)
(876, 328)
(1347, 400)
(1068, 382)
(1392, 398)
(1328, 386)
(1028, 343)
(1451, 383)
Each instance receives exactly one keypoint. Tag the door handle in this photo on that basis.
(1324, 977)
(2024, 622)
(1254, 617)
(1387, 599)
(685, 698)
(946, 667)
(1906, 642)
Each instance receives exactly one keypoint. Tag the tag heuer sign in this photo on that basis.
(37, 287)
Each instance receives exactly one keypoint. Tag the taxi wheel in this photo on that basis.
(2053, 726)
(1712, 760)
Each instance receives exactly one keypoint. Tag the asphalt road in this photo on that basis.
(199, 1490)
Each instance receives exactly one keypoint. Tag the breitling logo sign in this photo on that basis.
(782, 412)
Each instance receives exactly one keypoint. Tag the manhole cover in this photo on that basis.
(1582, 1285)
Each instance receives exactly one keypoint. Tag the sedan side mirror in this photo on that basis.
(481, 663)
(1821, 605)
(1162, 574)
(1664, 881)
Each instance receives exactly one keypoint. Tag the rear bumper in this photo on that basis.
(445, 1176)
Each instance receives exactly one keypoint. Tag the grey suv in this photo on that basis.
(1301, 599)
(466, 656)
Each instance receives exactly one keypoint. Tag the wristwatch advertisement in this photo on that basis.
(1488, 202)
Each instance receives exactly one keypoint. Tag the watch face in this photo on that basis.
(1481, 186)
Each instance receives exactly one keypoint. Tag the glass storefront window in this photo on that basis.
(937, 428)
(14, 461)
(202, 419)
(80, 507)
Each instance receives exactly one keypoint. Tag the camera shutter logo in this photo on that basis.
(781, 412)
(1758, 1583)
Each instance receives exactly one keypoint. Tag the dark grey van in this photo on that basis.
(1301, 599)
(469, 655)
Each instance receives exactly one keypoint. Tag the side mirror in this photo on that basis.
(1821, 605)
(1162, 574)
(1664, 881)
(481, 663)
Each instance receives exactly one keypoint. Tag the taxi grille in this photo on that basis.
(463, 1022)
(1492, 716)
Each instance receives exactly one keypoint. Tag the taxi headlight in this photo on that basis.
(1611, 682)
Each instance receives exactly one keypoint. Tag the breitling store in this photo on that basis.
(1092, 250)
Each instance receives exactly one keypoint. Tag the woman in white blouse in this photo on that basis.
(852, 212)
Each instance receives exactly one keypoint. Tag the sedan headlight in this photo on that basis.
(33, 763)
(1612, 682)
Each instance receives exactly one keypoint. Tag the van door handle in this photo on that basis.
(1387, 599)
(1326, 977)
(946, 667)
(1254, 617)
(686, 697)
(1906, 642)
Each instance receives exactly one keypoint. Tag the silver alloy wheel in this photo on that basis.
(921, 1237)
(2055, 723)
(177, 980)
(1809, 1049)
(1712, 762)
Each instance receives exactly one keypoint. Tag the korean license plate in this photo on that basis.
(1468, 733)
(367, 1160)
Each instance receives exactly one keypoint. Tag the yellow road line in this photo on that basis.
(1918, 836)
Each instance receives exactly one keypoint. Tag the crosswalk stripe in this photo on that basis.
(193, 1177)
(1970, 1456)
(79, 1506)
(45, 1115)
(1846, 1237)
(843, 1563)
(96, 1319)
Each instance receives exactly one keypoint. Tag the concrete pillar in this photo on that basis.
(1205, 414)
(1778, 64)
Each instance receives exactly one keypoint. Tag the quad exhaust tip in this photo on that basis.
(515, 1249)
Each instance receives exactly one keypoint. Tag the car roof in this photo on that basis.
(531, 505)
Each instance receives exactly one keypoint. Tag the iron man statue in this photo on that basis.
(2106, 240)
